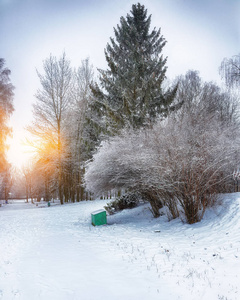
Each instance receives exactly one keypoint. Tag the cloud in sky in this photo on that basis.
(200, 33)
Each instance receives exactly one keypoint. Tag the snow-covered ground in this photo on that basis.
(55, 253)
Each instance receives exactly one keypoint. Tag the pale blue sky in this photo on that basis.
(200, 33)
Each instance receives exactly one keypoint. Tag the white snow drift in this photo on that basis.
(55, 253)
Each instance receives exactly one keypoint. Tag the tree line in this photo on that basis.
(175, 144)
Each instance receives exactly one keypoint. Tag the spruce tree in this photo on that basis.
(130, 91)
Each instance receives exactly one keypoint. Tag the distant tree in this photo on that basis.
(45, 170)
(6, 182)
(18, 189)
(230, 71)
(51, 108)
(80, 118)
(206, 98)
(32, 178)
(131, 90)
(27, 174)
(81, 130)
(6, 109)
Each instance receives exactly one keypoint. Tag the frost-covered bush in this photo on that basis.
(129, 200)
(197, 159)
(180, 162)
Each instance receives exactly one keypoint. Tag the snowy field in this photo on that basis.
(55, 253)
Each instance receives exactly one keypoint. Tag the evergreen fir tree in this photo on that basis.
(130, 92)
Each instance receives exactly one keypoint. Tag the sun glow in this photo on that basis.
(19, 152)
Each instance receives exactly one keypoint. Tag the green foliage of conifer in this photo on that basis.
(130, 92)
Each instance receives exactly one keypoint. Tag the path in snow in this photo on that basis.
(55, 253)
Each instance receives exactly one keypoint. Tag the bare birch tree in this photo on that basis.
(80, 130)
(206, 98)
(50, 109)
(230, 71)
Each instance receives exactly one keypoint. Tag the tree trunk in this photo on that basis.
(47, 196)
(60, 192)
